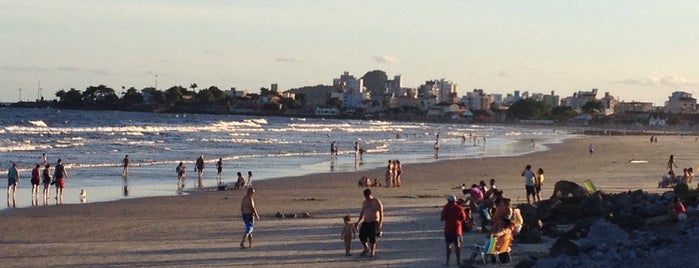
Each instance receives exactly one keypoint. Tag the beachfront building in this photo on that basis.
(553, 100)
(579, 99)
(681, 102)
(351, 91)
(609, 103)
(477, 100)
(443, 89)
(634, 107)
(395, 86)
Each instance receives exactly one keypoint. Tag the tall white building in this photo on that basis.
(352, 89)
(443, 89)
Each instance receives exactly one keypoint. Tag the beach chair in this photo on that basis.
(488, 251)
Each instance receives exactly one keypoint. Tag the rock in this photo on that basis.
(527, 263)
(568, 188)
(279, 215)
(529, 236)
(544, 210)
(593, 206)
(306, 214)
(604, 232)
(564, 246)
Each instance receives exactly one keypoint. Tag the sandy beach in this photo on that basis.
(205, 228)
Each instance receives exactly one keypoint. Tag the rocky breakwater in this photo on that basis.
(627, 229)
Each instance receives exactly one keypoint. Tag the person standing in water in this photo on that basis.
(60, 174)
(219, 171)
(199, 167)
(125, 164)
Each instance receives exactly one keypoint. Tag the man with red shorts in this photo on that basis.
(60, 175)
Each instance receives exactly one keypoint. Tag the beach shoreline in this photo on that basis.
(204, 228)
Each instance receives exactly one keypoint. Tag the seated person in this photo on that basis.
(677, 211)
(503, 232)
(502, 211)
(376, 183)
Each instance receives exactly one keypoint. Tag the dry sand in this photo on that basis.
(205, 228)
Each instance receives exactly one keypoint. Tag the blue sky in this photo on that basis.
(637, 50)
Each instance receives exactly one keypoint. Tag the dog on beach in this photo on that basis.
(568, 188)
(83, 196)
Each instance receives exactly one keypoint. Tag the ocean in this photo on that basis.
(92, 145)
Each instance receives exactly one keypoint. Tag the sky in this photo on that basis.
(637, 50)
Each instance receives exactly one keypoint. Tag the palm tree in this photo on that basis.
(193, 86)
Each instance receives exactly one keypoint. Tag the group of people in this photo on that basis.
(533, 183)
(671, 178)
(393, 173)
(358, 151)
(38, 177)
(199, 166)
(369, 224)
(497, 218)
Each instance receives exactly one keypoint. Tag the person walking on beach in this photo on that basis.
(46, 175)
(372, 215)
(36, 180)
(529, 183)
(125, 164)
(249, 213)
(219, 171)
(248, 184)
(671, 164)
(348, 233)
(199, 167)
(60, 174)
(591, 149)
(12, 182)
(44, 159)
(181, 174)
(453, 217)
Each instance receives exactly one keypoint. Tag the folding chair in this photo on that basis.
(489, 250)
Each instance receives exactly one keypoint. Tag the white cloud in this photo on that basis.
(674, 82)
(74, 69)
(289, 59)
(386, 59)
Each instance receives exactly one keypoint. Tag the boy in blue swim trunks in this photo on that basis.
(247, 209)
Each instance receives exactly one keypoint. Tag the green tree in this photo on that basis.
(562, 113)
(375, 82)
(72, 98)
(264, 91)
(132, 97)
(593, 107)
(529, 109)
(101, 96)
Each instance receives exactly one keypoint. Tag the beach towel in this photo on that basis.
(590, 186)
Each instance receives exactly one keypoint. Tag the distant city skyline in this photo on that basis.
(636, 50)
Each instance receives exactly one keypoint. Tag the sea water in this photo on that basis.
(92, 144)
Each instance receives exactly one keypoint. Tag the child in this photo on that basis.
(348, 233)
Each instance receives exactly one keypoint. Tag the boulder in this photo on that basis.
(529, 236)
(565, 188)
(564, 246)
